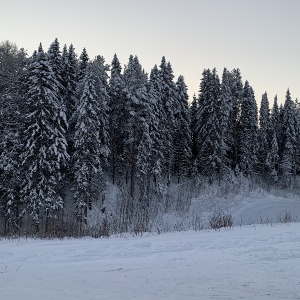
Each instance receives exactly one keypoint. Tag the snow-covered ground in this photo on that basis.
(250, 262)
(254, 208)
(265, 209)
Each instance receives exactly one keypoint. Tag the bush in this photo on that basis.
(219, 220)
(286, 218)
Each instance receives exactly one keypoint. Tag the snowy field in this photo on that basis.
(251, 262)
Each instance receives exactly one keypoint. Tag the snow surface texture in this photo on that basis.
(253, 208)
(252, 262)
(265, 209)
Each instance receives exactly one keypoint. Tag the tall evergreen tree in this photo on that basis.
(210, 161)
(45, 149)
(264, 138)
(182, 136)
(137, 142)
(225, 112)
(275, 117)
(82, 64)
(193, 113)
(169, 102)
(275, 134)
(234, 118)
(13, 66)
(99, 72)
(12, 62)
(10, 151)
(69, 78)
(297, 129)
(157, 128)
(87, 147)
(70, 95)
(289, 140)
(56, 63)
(116, 117)
(248, 123)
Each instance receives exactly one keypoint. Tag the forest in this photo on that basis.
(74, 131)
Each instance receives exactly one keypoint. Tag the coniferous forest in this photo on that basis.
(88, 147)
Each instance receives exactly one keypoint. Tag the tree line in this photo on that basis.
(72, 126)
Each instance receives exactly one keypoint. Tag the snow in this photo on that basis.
(244, 262)
(265, 209)
(257, 207)
(248, 262)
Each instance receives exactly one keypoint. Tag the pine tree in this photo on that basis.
(289, 141)
(264, 138)
(70, 95)
(116, 118)
(225, 111)
(297, 129)
(273, 157)
(210, 149)
(234, 118)
(87, 147)
(137, 143)
(99, 72)
(12, 62)
(170, 105)
(156, 127)
(13, 67)
(275, 117)
(193, 112)
(248, 123)
(55, 61)
(83, 64)
(69, 78)
(45, 149)
(10, 150)
(275, 133)
(182, 136)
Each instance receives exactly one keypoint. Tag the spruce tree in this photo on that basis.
(297, 129)
(264, 138)
(86, 158)
(248, 123)
(273, 157)
(99, 73)
(234, 133)
(137, 143)
(13, 71)
(170, 105)
(182, 136)
(275, 134)
(45, 146)
(209, 141)
(193, 112)
(82, 64)
(289, 141)
(116, 118)
(156, 128)
(56, 63)
(69, 78)
(10, 151)
(275, 118)
(225, 112)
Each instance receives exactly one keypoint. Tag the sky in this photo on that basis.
(260, 37)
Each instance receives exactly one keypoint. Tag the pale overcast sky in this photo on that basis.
(261, 37)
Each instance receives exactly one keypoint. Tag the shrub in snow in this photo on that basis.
(219, 220)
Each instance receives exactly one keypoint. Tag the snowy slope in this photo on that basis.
(254, 262)
(265, 209)
(257, 207)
